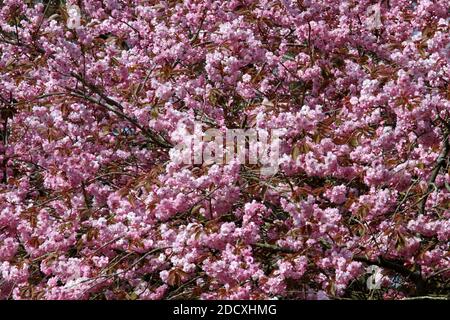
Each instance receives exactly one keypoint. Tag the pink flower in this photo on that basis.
(97, 200)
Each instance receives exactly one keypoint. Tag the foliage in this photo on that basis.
(94, 205)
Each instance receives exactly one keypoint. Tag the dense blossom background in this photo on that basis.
(95, 205)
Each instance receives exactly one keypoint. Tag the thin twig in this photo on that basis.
(442, 158)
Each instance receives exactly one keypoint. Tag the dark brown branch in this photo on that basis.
(441, 160)
(5, 144)
(96, 90)
(273, 247)
(154, 137)
(392, 265)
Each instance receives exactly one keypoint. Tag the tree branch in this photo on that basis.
(154, 137)
(442, 158)
(273, 247)
(396, 266)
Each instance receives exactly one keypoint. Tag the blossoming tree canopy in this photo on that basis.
(93, 96)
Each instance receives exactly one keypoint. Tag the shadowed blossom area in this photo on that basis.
(95, 202)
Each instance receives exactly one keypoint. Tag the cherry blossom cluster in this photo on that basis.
(95, 203)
